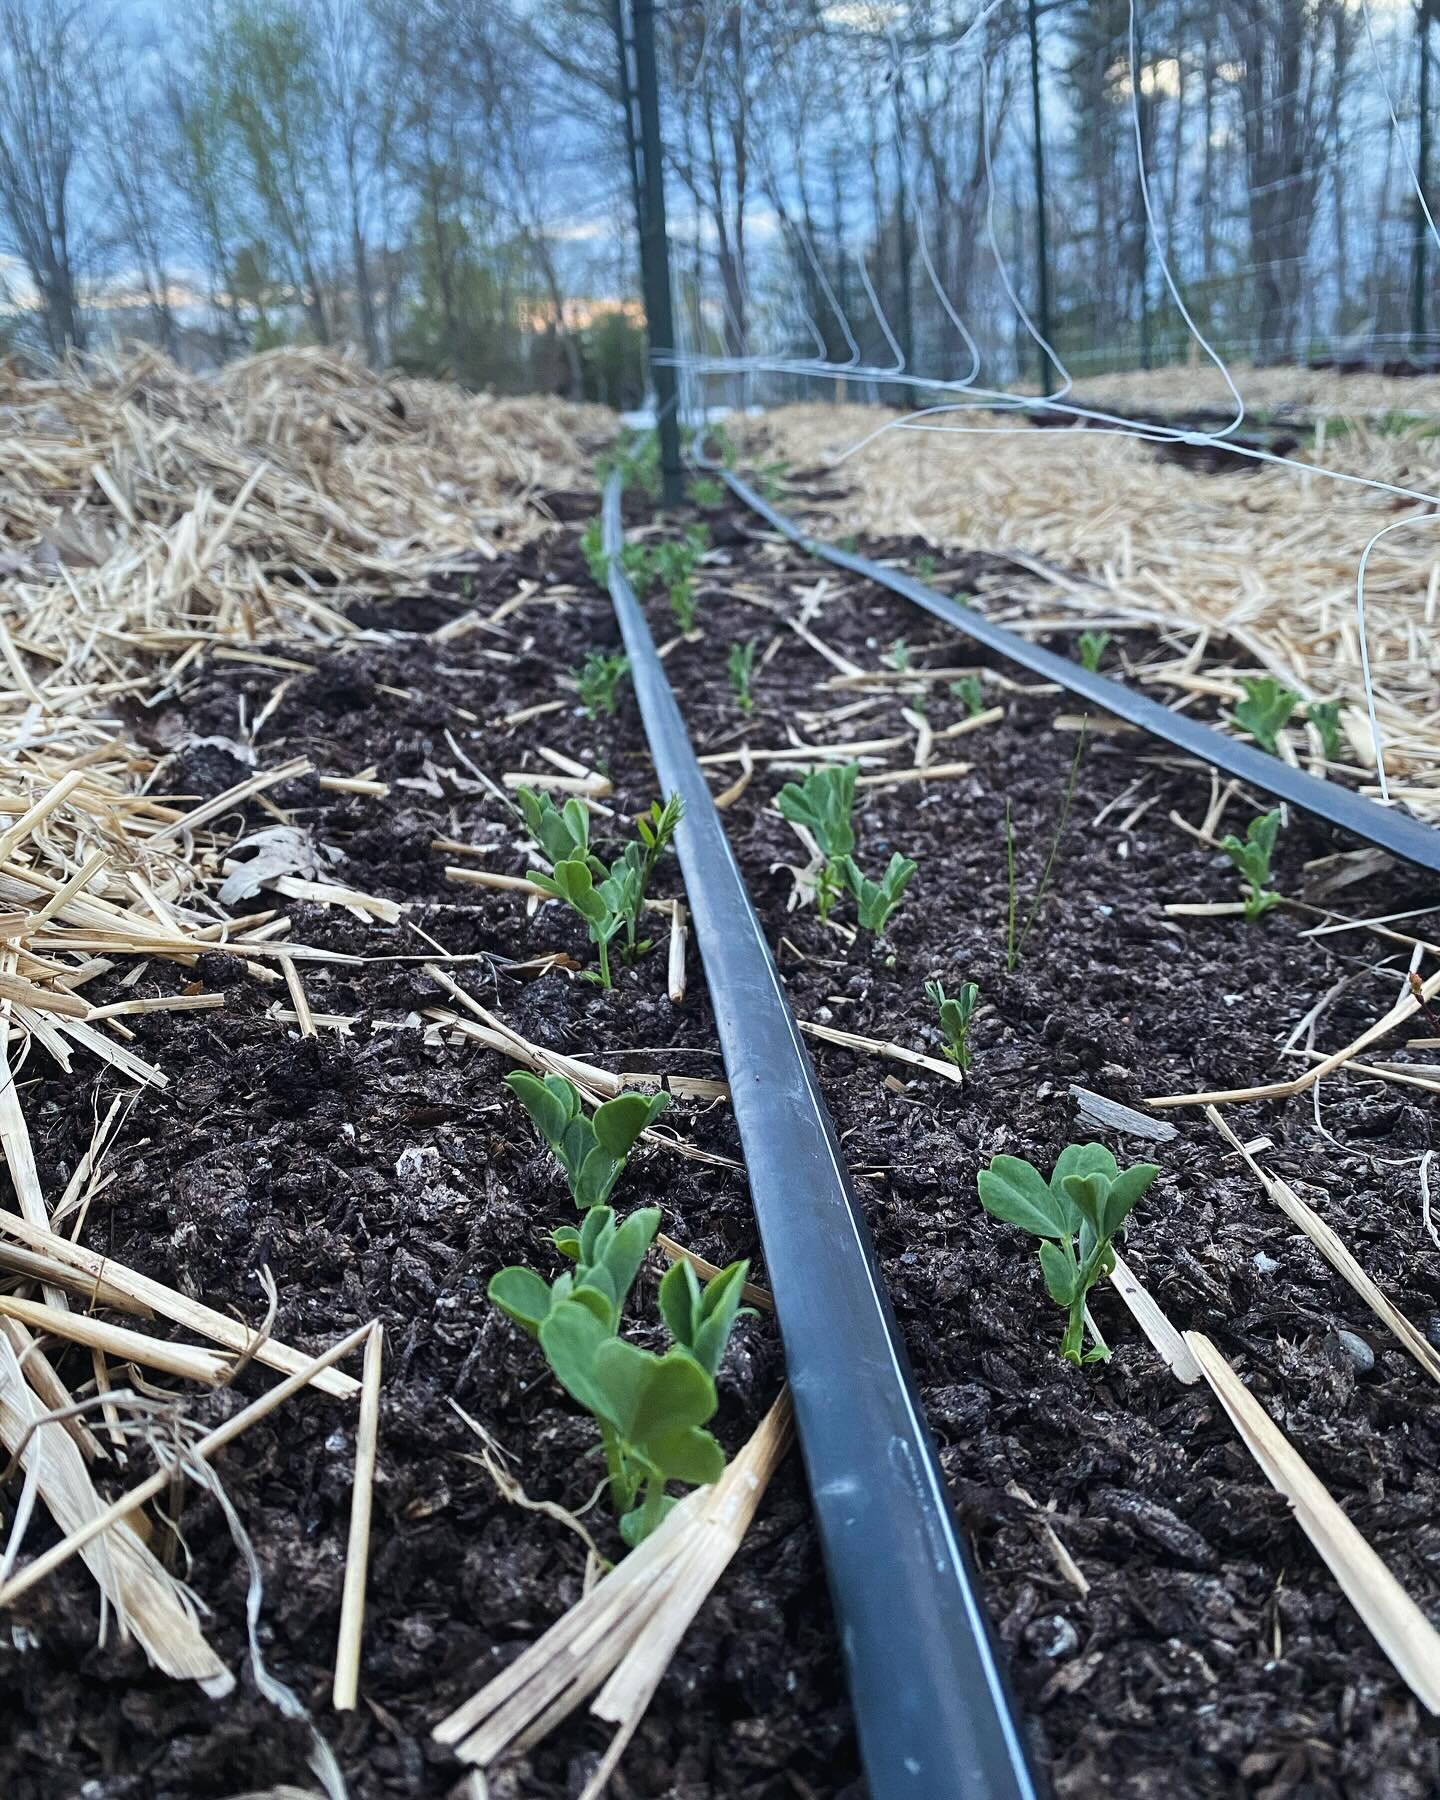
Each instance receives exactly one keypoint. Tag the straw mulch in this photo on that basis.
(1256, 568)
(149, 518)
(1308, 392)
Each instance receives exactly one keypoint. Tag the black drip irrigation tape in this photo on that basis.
(932, 1712)
(1395, 832)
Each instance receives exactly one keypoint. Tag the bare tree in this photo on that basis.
(46, 52)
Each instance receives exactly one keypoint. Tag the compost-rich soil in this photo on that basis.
(389, 1172)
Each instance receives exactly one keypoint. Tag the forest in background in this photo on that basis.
(445, 184)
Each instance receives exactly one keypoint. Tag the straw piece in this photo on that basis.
(626, 1629)
(303, 1015)
(1389, 1614)
(868, 1046)
(752, 1295)
(150, 1602)
(346, 1688)
(739, 785)
(486, 878)
(675, 971)
(1404, 1008)
(1332, 1248)
(34, 1267)
(202, 1450)
(232, 797)
(177, 1307)
(118, 1341)
(1165, 1340)
(932, 772)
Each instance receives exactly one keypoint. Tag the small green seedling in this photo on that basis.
(1265, 710)
(603, 905)
(699, 1318)
(675, 563)
(657, 832)
(878, 901)
(650, 1409)
(1015, 940)
(925, 566)
(1252, 859)
(955, 1016)
(741, 668)
(638, 562)
(562, 832)
(824, 803)
(706, 493)
(968, 691)
(1324, 715)
(1087, 1198)
(898, 656)
(597, 558)
(598, 679)
(1093, 645)
(592, 1151)
(636, 454)
(607, 1259)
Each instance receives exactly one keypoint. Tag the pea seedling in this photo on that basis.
(1088, 1197)
(706, 493)
(1265, 710)
(740, 668)
(651, 1409)
(1252, 859)
(898, 656)
(598, 679)
(1324, 715)
(955, 1016)
(562, 832)
(675, 563)
(597, 558)
(1015, 942)
(611, 900)
(968, 691)
(878, 901)
(592, 1151)
(823, 803)
(1093, 645)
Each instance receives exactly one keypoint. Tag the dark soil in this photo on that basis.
(387, 1172)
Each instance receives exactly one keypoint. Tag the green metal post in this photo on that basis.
(655, 252)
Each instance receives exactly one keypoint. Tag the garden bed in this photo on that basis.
(385, 1170)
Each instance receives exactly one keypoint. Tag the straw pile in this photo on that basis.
(149, 517)
(1308, 392)
(1258, 568)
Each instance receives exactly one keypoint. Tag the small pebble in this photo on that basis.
(1267, 1265)
(1053, 1636)
(1359, 1352)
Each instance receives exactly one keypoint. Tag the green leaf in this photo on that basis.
(690, 1454)
(648, 1396)
(619, 1122)
(566, 1240)
(628, 1247)
(719, 1308)
(549, 1112)
(598, 1227)
(1060, 1273)
(1078, 1159)
(1125, 1191)
(680, 1302)
(521, 1295)
(572, 1337)
(1087, 1193)
(1011, 1190)
(596, 1176)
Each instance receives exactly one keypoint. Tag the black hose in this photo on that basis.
(1390, 830)
(931, 1708)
